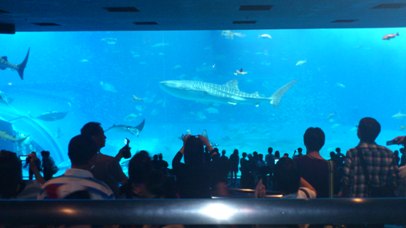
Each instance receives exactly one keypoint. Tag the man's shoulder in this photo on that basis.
(104, 156)
(371, 147)
(62, 186)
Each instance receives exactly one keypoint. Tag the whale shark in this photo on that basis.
(4, 64)
(227, 93)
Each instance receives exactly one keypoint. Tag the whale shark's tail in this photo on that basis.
(277, 95)
(21, 66)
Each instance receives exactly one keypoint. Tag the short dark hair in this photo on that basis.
(368, 129)
(314, 138)
(139, 167)
(45, 153)
(194, 151)
(81, 149)
(10, 174)
(91, 129)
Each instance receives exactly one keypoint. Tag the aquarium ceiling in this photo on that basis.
(108, 15)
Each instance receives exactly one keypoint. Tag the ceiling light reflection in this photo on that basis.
(218, 211)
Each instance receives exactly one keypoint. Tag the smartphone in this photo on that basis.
(23, 157)
(127, 141)
(126, 152)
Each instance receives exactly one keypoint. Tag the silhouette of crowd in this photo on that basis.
(202, 171)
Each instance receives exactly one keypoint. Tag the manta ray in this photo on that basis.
(135, 130)
(228, 93)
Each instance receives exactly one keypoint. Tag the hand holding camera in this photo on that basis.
(397, 141)
(126, 149)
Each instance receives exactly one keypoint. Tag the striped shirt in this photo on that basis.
(73, 181)
(381, 168)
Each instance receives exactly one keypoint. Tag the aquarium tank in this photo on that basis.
(246, 89)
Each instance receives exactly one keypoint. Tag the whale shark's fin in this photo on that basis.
(277, 95)
(21, 66)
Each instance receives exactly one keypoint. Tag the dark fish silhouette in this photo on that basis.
(4, 64)
(135, 130)
(390, 36)
(52, 116)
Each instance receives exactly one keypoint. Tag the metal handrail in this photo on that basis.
(205, 211)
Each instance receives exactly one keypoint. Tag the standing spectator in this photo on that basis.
(48, 165)
(234, 163)
(262, 170)
(270, 164)
(11, 175)
(247, 176)
(163, 164)
(369, 167)
(12, 184)
(313, 168)
(299, 153)
(225, 165)
(78, 181)
(105, 168)
(277, 156)
(192, 177)
(31, 160)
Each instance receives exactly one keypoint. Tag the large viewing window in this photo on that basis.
(225, 84)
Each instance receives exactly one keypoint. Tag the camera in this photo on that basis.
(391, 142)
(23, 157)
(126, 150)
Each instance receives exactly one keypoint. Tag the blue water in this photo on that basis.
(345, 74)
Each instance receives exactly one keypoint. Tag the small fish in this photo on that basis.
(399, 115)
(265, 36)
(4, 64)
(341, 85)
(228, 34)
(159, 45)
(390, 36)
(108, 87)
(52, 116)
(135, 130)
(109, 40)
(301, 62)
(137, 99)
(240, 72)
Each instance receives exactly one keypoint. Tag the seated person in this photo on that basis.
(147, 181)
(78, 180)
(287, 180)
(11, 180)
